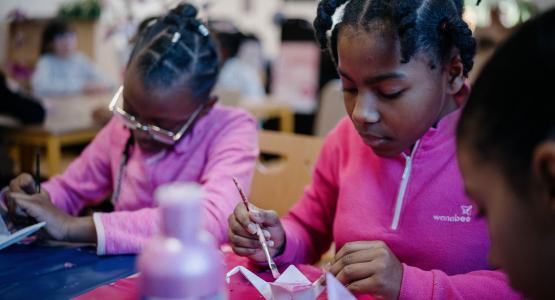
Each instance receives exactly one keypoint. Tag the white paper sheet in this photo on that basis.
(6, 237)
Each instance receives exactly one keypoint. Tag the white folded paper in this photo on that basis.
(293, 285)
(336, 290)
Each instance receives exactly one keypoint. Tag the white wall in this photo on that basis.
(35, 8)
(545, 4)
(258, 20)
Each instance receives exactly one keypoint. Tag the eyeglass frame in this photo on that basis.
(157, 133)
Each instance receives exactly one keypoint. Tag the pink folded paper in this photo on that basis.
(293, 285)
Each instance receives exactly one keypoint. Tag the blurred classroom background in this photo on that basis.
(272, 67)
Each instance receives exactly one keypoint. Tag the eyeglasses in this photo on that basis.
(157, 133)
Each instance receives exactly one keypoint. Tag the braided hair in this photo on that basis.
(177, 49)
(435, 26)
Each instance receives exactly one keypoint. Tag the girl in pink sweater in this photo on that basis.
(506, 151)
(166, 128)
(386, 188)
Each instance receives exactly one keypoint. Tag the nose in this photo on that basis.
(366, 110)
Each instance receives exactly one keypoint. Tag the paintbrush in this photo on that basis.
(271, 263)
(37, 173)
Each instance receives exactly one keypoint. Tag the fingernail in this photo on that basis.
(257, 215)
(267, 234)
(251, 228)
(271, 243)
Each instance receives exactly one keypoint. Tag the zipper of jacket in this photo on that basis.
(403, 187)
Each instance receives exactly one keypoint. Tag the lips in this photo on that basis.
(374, 141)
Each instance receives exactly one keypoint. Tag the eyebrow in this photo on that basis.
(377, 78)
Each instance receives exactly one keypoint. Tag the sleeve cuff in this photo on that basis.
(100, 235)
(291, 246)
(416, 284)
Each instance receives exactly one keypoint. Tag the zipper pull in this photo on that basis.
(406, 173)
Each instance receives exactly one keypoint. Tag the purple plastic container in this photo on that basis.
(183, 262)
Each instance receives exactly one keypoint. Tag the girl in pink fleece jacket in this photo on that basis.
(166, 128)
(386, 188)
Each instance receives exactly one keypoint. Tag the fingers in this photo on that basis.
(357, 246)
(370, 285)
(14, 210)
(361, 256)
(266, 218)
(354, 272)
(237, 228)
(23, 183)
(244, 242)
(242, 217)
(27, 204)
(244, 251)
(244, 227)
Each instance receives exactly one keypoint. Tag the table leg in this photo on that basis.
(53, 155)
(15, 154)
(287, 121)
(27, 158)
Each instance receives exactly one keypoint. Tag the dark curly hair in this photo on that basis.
(54, 29)
(435, 26)
(177, 49)
(511, 109)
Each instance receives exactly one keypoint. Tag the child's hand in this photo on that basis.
(242, 232)
(24, 183)
(42, 209)
(368, 267)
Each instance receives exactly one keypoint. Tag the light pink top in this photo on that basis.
(221, 145)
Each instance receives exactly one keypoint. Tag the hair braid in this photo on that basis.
(178, 49)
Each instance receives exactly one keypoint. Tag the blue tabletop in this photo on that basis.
(57, 272)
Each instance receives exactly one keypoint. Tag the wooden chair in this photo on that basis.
(279, 183)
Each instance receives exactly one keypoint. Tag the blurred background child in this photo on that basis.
(61, 70)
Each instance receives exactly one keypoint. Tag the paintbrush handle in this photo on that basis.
(264, 244)
(37, 174)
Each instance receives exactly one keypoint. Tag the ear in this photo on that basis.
(543, 166)
(454, 71)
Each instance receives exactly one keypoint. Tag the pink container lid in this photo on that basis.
(184, 261)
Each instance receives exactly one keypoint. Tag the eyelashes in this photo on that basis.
(386, 96)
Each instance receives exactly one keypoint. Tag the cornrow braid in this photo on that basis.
(177, 49)
(325, 12)
(435, 26)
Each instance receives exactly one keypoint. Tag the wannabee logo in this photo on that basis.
(464, 217)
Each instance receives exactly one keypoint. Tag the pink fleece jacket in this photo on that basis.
(414, 203)
(221, 145)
